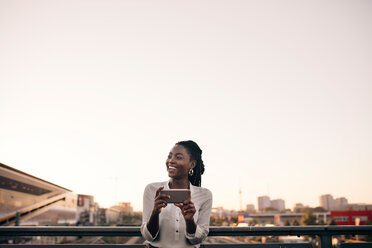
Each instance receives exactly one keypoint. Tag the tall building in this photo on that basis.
(263, 202)
(278, 204)
(250, 208)
(326, 202)
(341, 203)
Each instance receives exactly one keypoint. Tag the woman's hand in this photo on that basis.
(159, 201)
(188, 209)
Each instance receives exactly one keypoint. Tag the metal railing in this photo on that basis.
(325, 234)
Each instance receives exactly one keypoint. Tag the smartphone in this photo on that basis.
(176, 195)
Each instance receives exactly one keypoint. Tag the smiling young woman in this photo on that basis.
(183, 224)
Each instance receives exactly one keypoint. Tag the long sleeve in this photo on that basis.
(148, 203)
(202, 223)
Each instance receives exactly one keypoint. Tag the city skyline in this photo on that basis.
(93, 95)
(326, 201)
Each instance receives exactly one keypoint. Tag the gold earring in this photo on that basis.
(191, 172)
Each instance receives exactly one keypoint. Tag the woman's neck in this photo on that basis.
(179, 183)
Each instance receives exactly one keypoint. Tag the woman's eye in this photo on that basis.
(179, 157)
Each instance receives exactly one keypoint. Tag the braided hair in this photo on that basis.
(195, 154)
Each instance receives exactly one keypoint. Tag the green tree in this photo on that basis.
(295, 223)
(308, 219)
(332, 222)
(286, 223)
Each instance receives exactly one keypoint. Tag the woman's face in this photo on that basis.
(179, 163)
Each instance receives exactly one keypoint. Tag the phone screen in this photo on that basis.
(176, 195)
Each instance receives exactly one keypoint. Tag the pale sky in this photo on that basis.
(276, 93)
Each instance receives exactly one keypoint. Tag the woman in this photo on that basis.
(181, 224)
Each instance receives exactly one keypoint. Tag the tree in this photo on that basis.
(319, 209)
(295, 223)
(308, 219)
(332, 222)
(286, 223)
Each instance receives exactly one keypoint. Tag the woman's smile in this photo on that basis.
(171, 167)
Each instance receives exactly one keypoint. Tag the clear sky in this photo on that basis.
(276, 93)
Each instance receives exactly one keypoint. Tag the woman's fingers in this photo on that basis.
(159, 205)
(162, 197)
(190, 211)
(189, 206)
(158, 191)
(160, 201)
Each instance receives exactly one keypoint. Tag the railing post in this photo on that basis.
(325, 241)
(17, 217)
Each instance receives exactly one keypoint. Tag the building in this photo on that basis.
(351, 217)
(278, 204)
(29, 200)
(86, 210)
(123, 207)
(298, 206)
(250, 208)
(263, 202)
(112, 215)
(341, 203)
(219, 212)
(356, 207)
(326, 202)
(323, 217)
(279, 219)
(115, 214)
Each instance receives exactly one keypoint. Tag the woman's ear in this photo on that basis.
(193, 164)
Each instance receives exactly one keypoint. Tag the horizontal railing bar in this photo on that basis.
(265, 231)
(351, 230)
(74, 245)
(266, 245)
(356, 245)
(69, 231)
(289, 230)
(289, 245)
(213, 231)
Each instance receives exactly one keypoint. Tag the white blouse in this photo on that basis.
(172, 226)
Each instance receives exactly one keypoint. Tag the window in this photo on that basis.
(341, 218)
(362, 218)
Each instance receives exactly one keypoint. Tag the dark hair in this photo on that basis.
(196, 154)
